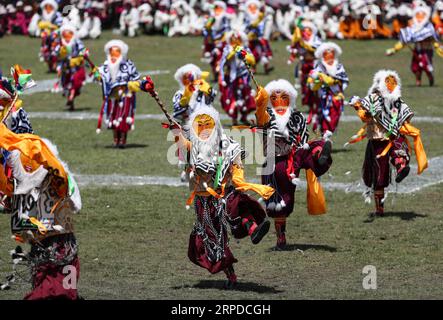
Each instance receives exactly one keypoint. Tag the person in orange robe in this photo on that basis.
(347, 27)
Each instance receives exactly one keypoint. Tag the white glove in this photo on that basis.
(353, 100)
(327, 135)
(390, 51)
(314, 74)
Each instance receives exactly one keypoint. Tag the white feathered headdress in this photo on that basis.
(117, 43)
(238, 33)
(220, 4)
(424, 9)
(68, 27)
(378, 84)
(187, 68)
(210, 111)
(52, 3)
(310, 25)
(327, 46)
(282, 85)
(253, 2)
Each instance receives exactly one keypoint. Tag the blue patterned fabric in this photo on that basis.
(409, 35)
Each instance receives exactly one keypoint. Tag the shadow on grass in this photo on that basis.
(425, 83)
(341, 150)
(241, 286)
(79, 109)
(129, 146)
(403, 215)
(306, 246)
(406, 215)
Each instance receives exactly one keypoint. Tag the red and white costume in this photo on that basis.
(116, 74)
(235, 81)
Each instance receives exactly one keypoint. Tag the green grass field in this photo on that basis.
(133, 240)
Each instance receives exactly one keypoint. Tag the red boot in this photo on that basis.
(280, 228)
(379, 205)
(255, 231)
(116, 138)
(122, 141)
(431, 79)
(418, 79)
(70, 102)
(402, 169)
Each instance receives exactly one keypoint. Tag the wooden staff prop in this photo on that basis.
(85, 54)
(147, 85)
(241, 53)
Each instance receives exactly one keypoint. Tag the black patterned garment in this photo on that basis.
(229, 150)
(390, 117)
(298, 134)
(20, 122)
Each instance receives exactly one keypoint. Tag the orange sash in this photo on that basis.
(32, 147)
(315, 196)
(420, 154)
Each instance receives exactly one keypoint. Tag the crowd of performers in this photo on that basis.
(320, 75)
(65, 54)
(221, 42)
(62, 51)
(211, 161)
(212, 164)
(41, 195)
(424, 38)
(333, 19)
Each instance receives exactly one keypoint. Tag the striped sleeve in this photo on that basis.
(178, 109)
(373, 104)
(223, 61)
(365, 103)
(133, 73)
(80, 47)
(225, 27)
(377, 106)
(406, 114)
(300, 128)
(405, 35)
(57, 19)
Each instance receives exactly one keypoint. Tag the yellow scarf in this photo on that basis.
(32, 147)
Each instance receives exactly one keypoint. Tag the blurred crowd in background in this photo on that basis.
(336, 19)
